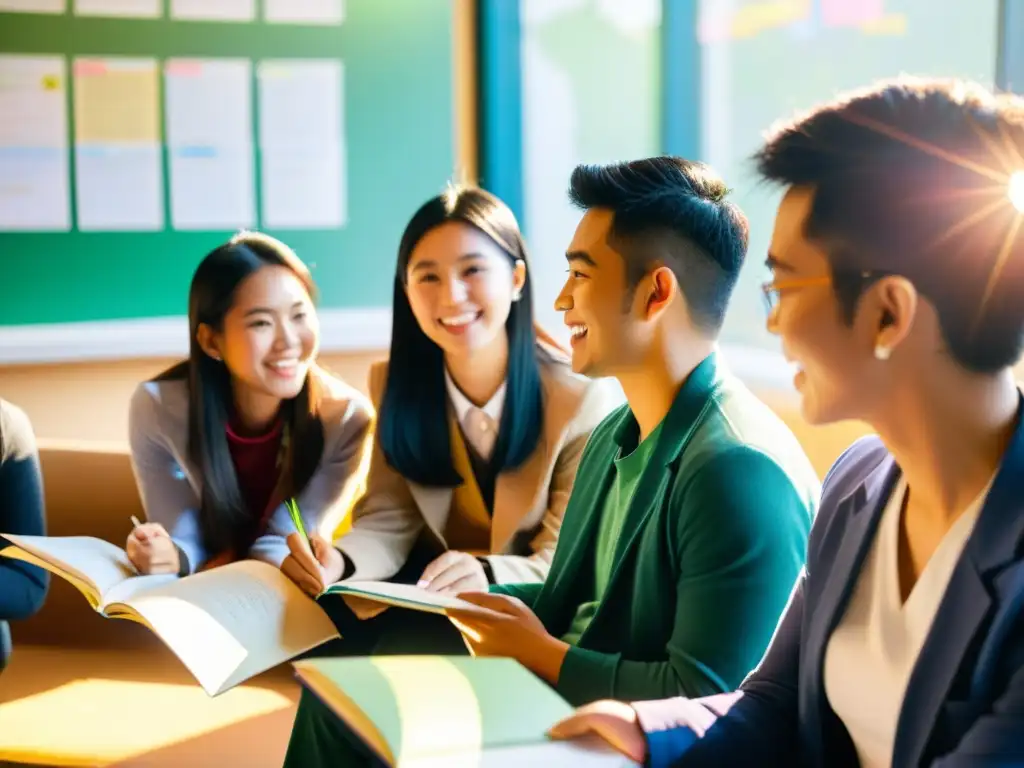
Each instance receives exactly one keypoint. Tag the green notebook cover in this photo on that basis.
(432, 705)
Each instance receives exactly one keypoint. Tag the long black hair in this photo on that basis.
(224, 521)
(413, 420)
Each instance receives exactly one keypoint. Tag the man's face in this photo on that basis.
(596, 301)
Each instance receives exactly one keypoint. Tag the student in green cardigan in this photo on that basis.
(688, 521)
(689, 517)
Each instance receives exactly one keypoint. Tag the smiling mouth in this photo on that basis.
(460, 322)
(578, 333)
(285, 368)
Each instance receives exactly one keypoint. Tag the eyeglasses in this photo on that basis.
(773, 289)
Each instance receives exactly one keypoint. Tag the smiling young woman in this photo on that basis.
(481, 424)
(220, 441)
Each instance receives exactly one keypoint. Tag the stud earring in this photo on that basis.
(882, 352)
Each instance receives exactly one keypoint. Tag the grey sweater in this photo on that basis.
(170, 484)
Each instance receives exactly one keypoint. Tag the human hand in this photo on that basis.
(613, 721)
(454, 572)
(504, 626)
(312, 569)
(151, 550)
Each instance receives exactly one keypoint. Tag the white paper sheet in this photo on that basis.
(302, 143)
(117, 144)
(32, 6)
(210, 143)
(143, 9)
(34, 182)
(213, 10)
(305, 11)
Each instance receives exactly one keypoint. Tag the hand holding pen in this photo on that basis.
(312, 563)
(150, 549)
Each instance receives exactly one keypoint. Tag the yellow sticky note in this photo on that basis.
(51, 83)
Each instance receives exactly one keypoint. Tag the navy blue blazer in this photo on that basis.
(964, 703)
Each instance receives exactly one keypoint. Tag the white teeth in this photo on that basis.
(284, 364)
(464, 319)
(577, 330)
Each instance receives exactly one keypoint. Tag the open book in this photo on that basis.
(225, 625)
(446, 712)
(399, 596)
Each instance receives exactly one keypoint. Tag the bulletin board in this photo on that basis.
(136, 135)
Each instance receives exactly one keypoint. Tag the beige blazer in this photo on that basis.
(528, 501)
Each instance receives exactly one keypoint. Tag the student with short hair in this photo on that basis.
(23, 587)
(689, 515)
(250, 420)
(897, 286)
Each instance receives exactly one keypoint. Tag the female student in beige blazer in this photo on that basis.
(481, 424)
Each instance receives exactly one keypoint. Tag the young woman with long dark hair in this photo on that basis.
(221, 440)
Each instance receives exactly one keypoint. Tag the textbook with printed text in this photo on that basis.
(225, 625)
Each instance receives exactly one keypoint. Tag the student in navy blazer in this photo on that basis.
(898, 290)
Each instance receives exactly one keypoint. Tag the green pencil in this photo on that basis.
(293, 510)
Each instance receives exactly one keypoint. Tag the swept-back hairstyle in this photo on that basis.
(682, 205)
(224, 521)
(413, 420)
(910, 177)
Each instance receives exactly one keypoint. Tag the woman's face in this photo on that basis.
(270, 336)
(838, 376)
(461, 286)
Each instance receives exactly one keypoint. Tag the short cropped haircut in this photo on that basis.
(682, 205)
(910, 177)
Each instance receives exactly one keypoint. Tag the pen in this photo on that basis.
(293, 510)
(135, 522)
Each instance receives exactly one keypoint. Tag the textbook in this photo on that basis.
(226, 625)
(447, 712)
(399, 596)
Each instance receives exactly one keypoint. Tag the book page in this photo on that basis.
(94, 563)
(400, 595)
(424, 708)
(233, 622)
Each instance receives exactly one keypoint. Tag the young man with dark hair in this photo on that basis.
(897, 264)
(689, 516)
(688, 520)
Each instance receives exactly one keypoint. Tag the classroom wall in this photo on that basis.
(89, 401)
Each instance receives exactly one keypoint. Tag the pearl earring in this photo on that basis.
(882, 352)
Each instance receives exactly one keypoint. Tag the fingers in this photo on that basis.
(460, 584)
(574, 726)
(300, 576)
(149, 532)
(321, 548)
(303, 557)
(464, 569)
(438, 566)
(499, 603)
(151, 550)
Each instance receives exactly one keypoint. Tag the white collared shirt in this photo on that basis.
(479, 425)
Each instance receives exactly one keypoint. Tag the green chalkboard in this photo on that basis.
(399, 127)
